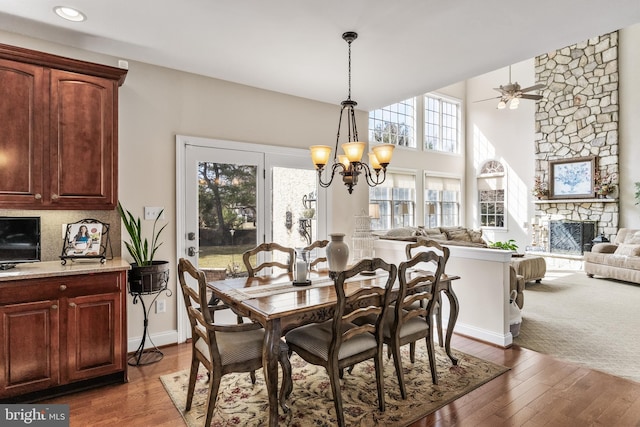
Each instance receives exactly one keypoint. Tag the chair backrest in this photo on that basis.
(427, 245)
(318, 244)
(365, 303)
(417, 286)
(201, 320)
(274, 249)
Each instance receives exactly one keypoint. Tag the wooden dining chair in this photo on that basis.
(426, 244)
(318, 244)
(340, 343)
(410, 322)
(222, 348)
(274, 249)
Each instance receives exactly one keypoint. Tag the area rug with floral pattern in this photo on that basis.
(242, 403)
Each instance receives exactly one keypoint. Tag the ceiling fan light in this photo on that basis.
(514, 103)
(502, 105)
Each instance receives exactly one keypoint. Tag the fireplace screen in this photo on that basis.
(570, 237)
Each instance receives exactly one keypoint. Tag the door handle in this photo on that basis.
(191, 251)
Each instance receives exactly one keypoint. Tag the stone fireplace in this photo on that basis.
(577, 118)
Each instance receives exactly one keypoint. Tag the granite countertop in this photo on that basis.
(34, 270)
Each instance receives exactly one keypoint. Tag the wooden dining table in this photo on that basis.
(279, 306)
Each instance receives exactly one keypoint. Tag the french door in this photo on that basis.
(233, 196)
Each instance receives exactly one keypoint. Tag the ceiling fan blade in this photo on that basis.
(534, 87)
(488, 99)
(534, 97)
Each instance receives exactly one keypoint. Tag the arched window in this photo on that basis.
(491, 191)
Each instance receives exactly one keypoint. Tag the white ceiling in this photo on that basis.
(404, 48)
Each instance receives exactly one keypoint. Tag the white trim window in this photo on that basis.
(491, 195)
(442, 124)
(392, 204)
(394, 124)
(442, 197)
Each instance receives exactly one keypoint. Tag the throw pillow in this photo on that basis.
(633, 239)
(627, 249)
(476, 236)
(460, 235)
(401, 232)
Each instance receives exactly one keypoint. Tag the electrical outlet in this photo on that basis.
(151, 212)
(161, 306)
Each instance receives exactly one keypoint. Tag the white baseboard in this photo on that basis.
(159, 339)
(484, 335)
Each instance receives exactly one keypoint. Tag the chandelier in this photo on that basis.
(350, 164)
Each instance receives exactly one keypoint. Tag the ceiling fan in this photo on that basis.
(511, 94)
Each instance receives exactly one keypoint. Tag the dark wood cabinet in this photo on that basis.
(62, 330)
(59, 145)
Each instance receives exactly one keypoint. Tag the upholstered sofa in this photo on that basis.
(451, 236)
(619, 259)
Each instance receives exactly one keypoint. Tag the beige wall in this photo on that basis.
(629, 93)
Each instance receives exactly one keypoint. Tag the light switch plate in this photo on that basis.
(151, 212)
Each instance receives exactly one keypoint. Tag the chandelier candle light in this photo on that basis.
(349, 164)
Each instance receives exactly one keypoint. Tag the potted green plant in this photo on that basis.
(509, 245)
(146, 275)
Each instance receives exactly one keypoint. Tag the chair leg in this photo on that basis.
(253, 377)
(214, 386)
(438, 314)
(334, 378)
(432, 358)
(397, 361)
(193, 374)
(380, 379)
(412, 352)
(287, 383)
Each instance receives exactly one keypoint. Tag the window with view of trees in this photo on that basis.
(442, 201)
(491, 194)
(395, 200)
(226, 197)
(441, 124)
(394, 124)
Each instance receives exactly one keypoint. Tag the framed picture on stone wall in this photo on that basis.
(572, 178)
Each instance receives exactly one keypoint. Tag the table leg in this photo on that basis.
(453, 316)
(270, 357)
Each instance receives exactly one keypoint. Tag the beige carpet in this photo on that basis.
(591, 322)
(241, 403)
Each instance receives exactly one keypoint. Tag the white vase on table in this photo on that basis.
(337, 253)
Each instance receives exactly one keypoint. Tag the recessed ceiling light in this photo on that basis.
(69, 13)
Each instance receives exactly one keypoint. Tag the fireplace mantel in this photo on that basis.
(556, 201)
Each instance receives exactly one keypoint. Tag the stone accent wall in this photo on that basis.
(578, 117)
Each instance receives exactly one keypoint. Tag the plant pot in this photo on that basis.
(148, 279)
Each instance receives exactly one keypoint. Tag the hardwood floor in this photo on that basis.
(537, 391)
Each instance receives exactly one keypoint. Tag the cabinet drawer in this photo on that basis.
(19, 291)
(89, 284)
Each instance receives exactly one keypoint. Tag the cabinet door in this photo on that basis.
(30, 347)
(82, 141)
(21, 134)
(94, 336)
